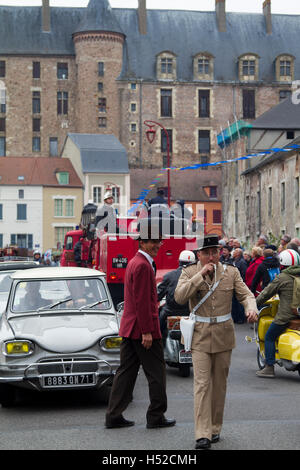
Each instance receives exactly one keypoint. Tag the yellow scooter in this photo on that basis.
(287, 345)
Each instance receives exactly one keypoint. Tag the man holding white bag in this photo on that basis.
(214, 336)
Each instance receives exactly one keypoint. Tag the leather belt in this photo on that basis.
(219, 319)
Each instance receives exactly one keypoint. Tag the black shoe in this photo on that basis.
(202, 443)
(118, 422)
(163, 423)
(215, 438)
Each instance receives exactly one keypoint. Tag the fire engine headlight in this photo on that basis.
(18, 348)
(110, 343)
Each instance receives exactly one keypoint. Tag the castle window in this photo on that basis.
(284, 66)
(36, 70)
(62, 102)
(2, 124)
(102, 105)
(204, 101)
(166, 103)
(36, 102)
(53, 146)
(2, 98)
(203, 66)
(166, 66)
(62, 70)
(36, 125)
(2, 68)
(204, 141)
(163, 140)
(102, 122)
(249, 104)
(2, 147)
(100, 69)
(100, 86)
(248, 67)
(36, 144)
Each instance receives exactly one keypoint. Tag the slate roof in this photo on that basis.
(99, 17)
(187, 184)
(285, 115)
(101, 153)
(185, 33)
(36, 171)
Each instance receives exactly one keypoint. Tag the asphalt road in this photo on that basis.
(259, 414)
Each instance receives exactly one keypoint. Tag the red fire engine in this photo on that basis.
(111, 252)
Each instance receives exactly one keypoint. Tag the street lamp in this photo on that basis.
(150, 134)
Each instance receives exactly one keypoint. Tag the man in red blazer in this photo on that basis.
(141, 343)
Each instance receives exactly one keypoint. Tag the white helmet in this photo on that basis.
(107, 195)
(289, 258)
(187, 257)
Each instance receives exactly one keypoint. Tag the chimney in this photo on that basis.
(142, 15)
(267, 14)
(221, 15)
(46, 27)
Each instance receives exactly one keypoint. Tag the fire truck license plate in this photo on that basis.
(119, 262)
(185, 357)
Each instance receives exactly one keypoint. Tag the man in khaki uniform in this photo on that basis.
(214, 336)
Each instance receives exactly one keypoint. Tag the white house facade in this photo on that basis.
(21, 220)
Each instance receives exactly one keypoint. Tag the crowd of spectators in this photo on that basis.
(258, 266)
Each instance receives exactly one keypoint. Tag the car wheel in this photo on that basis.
(7, 395)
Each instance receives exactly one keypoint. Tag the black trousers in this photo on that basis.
(132, 355)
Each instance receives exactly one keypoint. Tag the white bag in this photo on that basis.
(187, 325)
(187, 330)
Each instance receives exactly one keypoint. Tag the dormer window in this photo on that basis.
(284, 66)
(248, 67)
(203, 66)
(166, 66)
(62, 177)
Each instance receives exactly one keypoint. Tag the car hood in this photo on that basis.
(64, 333)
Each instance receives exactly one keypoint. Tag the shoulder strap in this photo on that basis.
(192, 314)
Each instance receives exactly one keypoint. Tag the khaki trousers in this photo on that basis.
(210, 381)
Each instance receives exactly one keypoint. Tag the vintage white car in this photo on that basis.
(59, 331)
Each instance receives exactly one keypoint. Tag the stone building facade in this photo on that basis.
(104, 70)
(261, 195)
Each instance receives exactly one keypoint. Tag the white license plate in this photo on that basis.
(185, 357)
(74, 380)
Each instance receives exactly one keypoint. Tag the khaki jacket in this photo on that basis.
(192, 286)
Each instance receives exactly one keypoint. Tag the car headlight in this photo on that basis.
(111, 343)
(18, 348)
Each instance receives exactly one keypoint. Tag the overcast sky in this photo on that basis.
(278, 6)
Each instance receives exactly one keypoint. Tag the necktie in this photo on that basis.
(154, 266)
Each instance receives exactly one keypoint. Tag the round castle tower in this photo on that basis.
(99, 54)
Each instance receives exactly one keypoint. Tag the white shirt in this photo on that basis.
(149, 258)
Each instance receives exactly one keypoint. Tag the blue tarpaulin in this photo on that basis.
(233, 133)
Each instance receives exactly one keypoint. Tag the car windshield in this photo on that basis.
(61, 294)
(5, 283)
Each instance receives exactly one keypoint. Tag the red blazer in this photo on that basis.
(141, 305)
